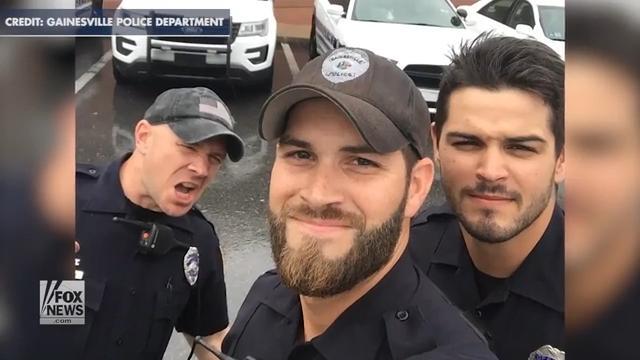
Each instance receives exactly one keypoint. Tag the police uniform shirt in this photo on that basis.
(614, 332)
(403, 317)
(134, 300)
(518, 315)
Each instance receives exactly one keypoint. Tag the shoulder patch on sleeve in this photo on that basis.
(88, 170)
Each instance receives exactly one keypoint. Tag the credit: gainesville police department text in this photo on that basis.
(108, 21)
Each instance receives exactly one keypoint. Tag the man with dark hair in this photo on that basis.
(496, 247)
(341, 197)
(603, 186)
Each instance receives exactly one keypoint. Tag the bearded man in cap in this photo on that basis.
(352, 166)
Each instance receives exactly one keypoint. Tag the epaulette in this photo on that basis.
(195, 211)
(88, 170)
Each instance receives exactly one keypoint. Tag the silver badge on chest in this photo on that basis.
(191, 264)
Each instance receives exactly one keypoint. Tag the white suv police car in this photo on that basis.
(247, 54)
(416, 34)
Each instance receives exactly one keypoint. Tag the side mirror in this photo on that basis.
(335, 11)
(462, 11)
(524, 29)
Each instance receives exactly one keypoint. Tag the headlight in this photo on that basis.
(260, 28)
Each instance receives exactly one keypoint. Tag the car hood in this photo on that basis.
(557, 46)
(406, 44)
(241, 10)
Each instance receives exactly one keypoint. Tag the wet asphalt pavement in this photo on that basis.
(106, 114)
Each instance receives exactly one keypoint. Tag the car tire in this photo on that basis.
(313, 45)
(267, 82)
(118, 76)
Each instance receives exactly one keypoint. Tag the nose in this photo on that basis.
(323, 187)
(492, 166)
(199, 165)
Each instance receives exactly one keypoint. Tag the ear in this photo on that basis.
(560, 174)
(434, 141)
(143, 135)
(421, 179)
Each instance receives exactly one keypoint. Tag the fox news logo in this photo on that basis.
(62, 302)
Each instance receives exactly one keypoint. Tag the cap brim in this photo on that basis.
(195, 130)
(373, 125)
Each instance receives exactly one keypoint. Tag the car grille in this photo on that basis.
(209, 40)
(425, 76)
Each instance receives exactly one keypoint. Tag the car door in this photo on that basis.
(493, 17)
(327, 24)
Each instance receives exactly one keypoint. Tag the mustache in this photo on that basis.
(327, 212)
(486, 188)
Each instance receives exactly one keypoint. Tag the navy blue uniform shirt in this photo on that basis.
(403, 317)
(134, 300)
(517, 315)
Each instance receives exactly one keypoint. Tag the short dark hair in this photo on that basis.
(498, 62)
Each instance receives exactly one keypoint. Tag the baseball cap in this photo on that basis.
(381, 101)
(194, 115)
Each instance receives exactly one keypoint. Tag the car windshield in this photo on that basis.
(552, 21)
(418, 12)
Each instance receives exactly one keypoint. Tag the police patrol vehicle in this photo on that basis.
(417, 35)
(246, 54)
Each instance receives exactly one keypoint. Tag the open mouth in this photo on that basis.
(186, 188)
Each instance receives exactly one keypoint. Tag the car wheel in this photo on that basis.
(117, 74)
(267, 83)
(313, 46)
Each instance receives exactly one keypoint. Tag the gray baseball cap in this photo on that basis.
(381, 101)
(194, 115)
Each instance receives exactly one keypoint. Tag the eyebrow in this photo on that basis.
(514, 139)
(353, 149)
(288, 140)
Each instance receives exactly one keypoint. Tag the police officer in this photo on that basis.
(351, 168)
(150, 260)
(496, 248)
(603, 187)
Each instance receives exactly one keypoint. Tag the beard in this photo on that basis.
(309, 273)
(486, 229)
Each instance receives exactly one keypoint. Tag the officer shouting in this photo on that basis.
(496, 248)
(150, 260)
(351, 168)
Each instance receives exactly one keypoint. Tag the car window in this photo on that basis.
(552, 22)
(522, 14)
(418, 12)
(497, 10)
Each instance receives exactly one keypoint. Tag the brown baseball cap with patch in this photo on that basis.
(381, 101)
(194, 115)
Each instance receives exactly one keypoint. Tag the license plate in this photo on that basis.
(190, 60)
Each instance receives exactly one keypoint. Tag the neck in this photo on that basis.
(319, 313)
(501, 260)
(132, 185)
(593, 287)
